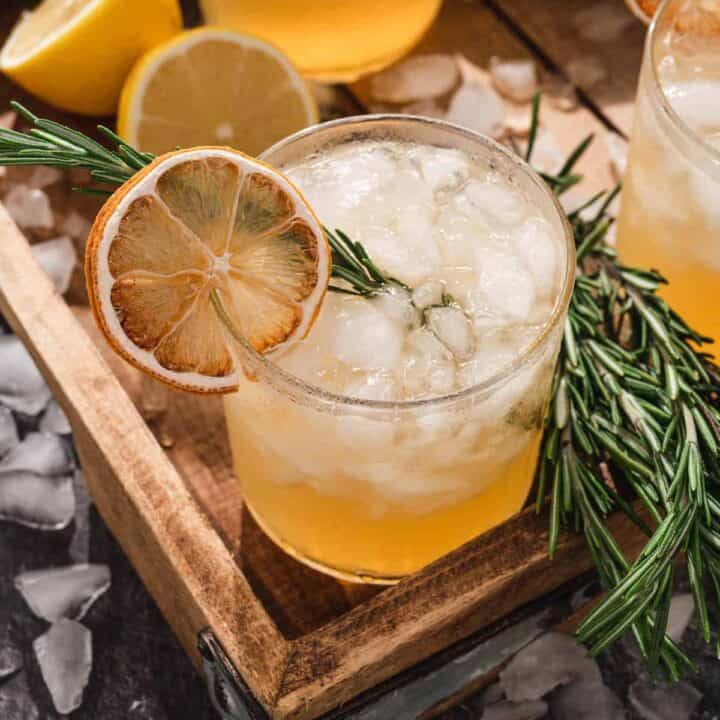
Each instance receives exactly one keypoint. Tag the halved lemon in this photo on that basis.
(213, 87)
(76, 54)
(192, 224)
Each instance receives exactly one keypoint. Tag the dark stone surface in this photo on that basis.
(139, 669)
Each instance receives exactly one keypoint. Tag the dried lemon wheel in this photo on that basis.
(194, 222)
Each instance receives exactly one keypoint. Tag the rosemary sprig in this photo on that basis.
(634, 416)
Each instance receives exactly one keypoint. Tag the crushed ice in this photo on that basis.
(58, 258)
(416, 78)
(64, 654)
(66, 592)
(22, 387)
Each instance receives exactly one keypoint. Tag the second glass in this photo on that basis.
(670, 211)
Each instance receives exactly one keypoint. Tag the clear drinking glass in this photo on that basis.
(670, 211)
(372, 490)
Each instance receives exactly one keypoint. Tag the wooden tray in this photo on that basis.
(302, 642)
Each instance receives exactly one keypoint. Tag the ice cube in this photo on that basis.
(682, 608)
(44, 175)
(424, 108)
(378, 385)
(76, 226)
(43, 503)
(64, 654)
(22, 387)
(586, 700)
(532, 710)
(547, 155)
(365, 338)
(427, 294)
(551, 660)
(11, 659)
(8, 432)
(16, 702)
(452, 327)
(441, 378)
(54, 420)
(673, 701)
(586, 71)
(514, 79)
(416, 78)
(57, 257)
(478, 108)
(29, 207)
(442, 169)
(498, 203)
(79, 549)
(560, 93)
(40, 453)
(66, 592)
(424, 353)
(8, 120)
(396, 304)
(602, 23)
(617, 148)
(504, 285)
(538, 251)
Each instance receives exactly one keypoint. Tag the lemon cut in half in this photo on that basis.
(213, 87)
(76, 54)
(192, 225)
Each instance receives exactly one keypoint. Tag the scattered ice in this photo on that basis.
(29, 207)
(559, 92)
(366, 338)
(518, 121)
(682, 608)
(40, 453)
(452, 327)
(537, 249)
(66, 592)
(396, 304)
(674, 701)
(8, 432)
(79, 549)
(617, 148)
(532, 710)
(43, 503)
(493, 694)
(551, 660)
(586, 71)
(11, 659)
(57, 257)
(602, 23)
(22, 387)
(16, 702)
(76, 226)
(547, 155)
(425, 108)
(54, 420)
(478, 108)
(64, 654)
(514, 79)
(44, 175)
(586, 700)
(427, 294)
(470, 73)
(416, 78)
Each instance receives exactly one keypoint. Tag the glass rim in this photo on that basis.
(283, 380)
(650, 57)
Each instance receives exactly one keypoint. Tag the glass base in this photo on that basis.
(360, 578)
